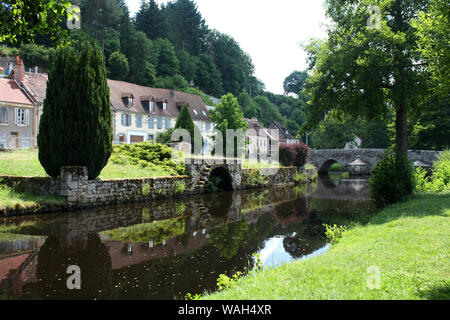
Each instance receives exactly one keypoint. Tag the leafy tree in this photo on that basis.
(433, 27)
(184, 121)
(118, 66)
(248, 106)
(165, 137)
(295, 82)
(234, 64)
(152, 21)
(364, 71)
(267, 111)
(111, 44)
(187, 26)
(228, 115)
(207, 77)
(175, 82)
(37, 55)
(23, 20)
(142, 59)
(188, 66)
(168, 64)
(99, 17)
(75, 127)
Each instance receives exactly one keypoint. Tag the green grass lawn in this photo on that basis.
(9, 198)
(26, 163)
(408, 242)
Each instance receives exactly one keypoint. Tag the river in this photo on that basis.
(166, 249)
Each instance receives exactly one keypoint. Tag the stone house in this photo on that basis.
(18, 112)
(141, 113)
(258, 139)
(283, 133)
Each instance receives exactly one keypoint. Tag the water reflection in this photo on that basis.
(142, 252)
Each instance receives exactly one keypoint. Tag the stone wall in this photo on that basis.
(81, 192)
(274, 176)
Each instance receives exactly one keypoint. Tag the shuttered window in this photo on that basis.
(3, 115)
(139, 121)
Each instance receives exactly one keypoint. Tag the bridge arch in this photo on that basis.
(324, 168)
(222, 177)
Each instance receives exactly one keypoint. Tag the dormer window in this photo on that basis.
(152, 106)
(127, 100)
(204, 113)
(195, 112)
(164, 106)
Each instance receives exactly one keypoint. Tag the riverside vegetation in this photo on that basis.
(407, 242)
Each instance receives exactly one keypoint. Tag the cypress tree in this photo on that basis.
(76, 125)
(184, 121)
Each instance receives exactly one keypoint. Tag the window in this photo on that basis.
(167, 123)
(22, 117)
(126, 120)
(3, 115)
(152, 106)
(139, 121)
(208, 126)
(204, 113)
(195, 111)
(130, 101)
(164, 106)
(159, 123)
(151, 122)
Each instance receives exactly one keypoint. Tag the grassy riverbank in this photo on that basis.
(26, 163)
(10, 198)
(408, 243)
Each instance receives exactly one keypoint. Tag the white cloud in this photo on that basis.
(269, 31)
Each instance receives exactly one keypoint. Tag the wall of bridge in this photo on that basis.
(322, 159)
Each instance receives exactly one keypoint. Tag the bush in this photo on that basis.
(286, 155)
(147, 155)
(392, 179)
(76, 125)
(301, 154)
(294, 154)
(439, 182)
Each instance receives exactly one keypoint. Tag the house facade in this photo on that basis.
(142, 113)
(258, 139)
(284, 135)
(18, 125)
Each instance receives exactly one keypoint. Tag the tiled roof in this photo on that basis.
(120, 89)
(11, 92)
(36, 84)
(282, 130)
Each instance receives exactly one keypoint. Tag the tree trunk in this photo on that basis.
(401, 130)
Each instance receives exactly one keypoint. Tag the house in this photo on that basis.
(141, 113)
(18, 115)
(259, 140)
(283, 133)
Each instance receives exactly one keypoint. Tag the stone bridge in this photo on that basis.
(202, 170)
(324, 159)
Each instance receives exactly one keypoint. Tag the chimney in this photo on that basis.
(19, 70)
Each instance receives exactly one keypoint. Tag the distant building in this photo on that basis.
(258, 139)
(18, 112)
(283, 133)
(141, 113)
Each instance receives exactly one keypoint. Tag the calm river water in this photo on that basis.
(137, 252)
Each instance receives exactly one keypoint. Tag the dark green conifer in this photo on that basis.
(76, 125)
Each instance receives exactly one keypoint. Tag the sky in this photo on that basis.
(269, 31)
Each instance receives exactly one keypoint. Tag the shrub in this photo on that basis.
(392, 179)
(147, 155)
(299, 178)
(256, 179)
(440, 179)
(294, 154)
(334, 232)
(75, 127)
(301, 154)
(286, 155)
